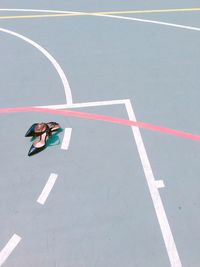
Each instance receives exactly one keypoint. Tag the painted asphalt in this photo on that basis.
(101, 210)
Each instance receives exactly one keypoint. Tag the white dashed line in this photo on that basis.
(47, 189)
(10, 246)
(66, 139)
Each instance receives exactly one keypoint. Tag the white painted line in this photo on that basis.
(47, 189)
(150, 21)
(159, 184)
(108, 16)
(10, 246)
(157, 201)
(66, 139)
(86, 104)
(152, 183)
(39, 10)
(58, 68)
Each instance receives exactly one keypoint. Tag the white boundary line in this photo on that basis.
(38, 10)
(58, 68)
(47, 189)
(151, 21)
(155, 195)
(86, 104)
(9, 247)
(66, 138)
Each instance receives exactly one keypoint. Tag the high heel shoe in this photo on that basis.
(53, 126)
(43, 132)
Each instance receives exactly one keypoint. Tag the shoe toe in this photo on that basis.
(30, 131)
(34, 150)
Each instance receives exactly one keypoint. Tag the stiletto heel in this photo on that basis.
(40, 144)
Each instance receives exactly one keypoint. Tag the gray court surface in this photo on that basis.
(118, 200)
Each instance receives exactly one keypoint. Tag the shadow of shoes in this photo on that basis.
(54, 139)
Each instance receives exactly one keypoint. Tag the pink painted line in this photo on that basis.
(110, 119)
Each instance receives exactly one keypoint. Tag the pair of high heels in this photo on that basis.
(42, 131)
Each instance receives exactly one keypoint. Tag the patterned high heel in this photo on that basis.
(53, 126)
(43, 131)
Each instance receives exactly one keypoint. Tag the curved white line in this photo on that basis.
(58, 68)
(108, 16)
(151, 21)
